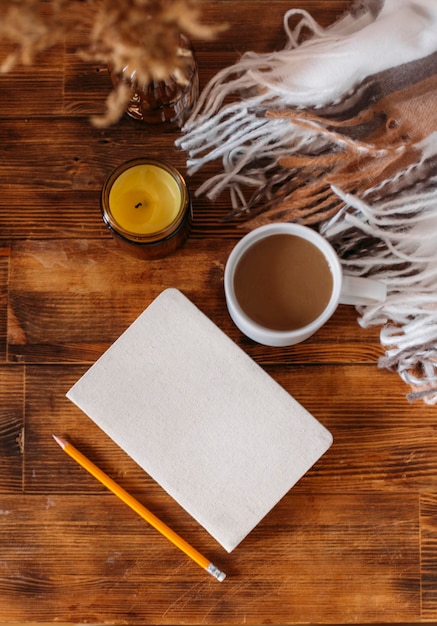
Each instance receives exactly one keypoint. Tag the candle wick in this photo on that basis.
(137, 206)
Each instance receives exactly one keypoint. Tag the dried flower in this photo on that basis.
(27, 28)
(137, 37)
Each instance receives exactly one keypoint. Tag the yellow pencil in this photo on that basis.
(140, 509)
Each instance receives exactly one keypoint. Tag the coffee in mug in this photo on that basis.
(284, 281)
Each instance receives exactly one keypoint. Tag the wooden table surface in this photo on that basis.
(354, 542)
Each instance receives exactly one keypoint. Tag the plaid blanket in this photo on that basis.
(339, 131)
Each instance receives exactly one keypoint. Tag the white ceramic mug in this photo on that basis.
(345, 289)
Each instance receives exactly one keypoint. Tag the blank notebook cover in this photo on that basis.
(201, 417)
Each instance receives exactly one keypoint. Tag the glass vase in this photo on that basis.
(168, 102)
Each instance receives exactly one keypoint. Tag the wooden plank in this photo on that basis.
(70, 155)
(374, 447)
(69, 282)
(428, 521)
(318, 548)
(35, 90)
(11, 430)
(4, 282)
(49, 213)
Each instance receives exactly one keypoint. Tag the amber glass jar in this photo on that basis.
(146, 205)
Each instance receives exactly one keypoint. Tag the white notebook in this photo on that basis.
(201, 417)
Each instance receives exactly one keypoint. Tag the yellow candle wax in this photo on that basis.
(145, 199)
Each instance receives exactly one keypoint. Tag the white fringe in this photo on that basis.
(407, 264)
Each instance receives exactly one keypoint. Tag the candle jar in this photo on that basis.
(167, 101)
(147, 207)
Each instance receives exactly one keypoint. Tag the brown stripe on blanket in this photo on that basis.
(396, 124)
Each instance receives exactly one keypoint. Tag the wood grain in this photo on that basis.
(11, 430)
(355, 542)
(99, 570)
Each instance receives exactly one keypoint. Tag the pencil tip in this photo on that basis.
(59, 441)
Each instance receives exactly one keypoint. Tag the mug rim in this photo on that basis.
(270, 334)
